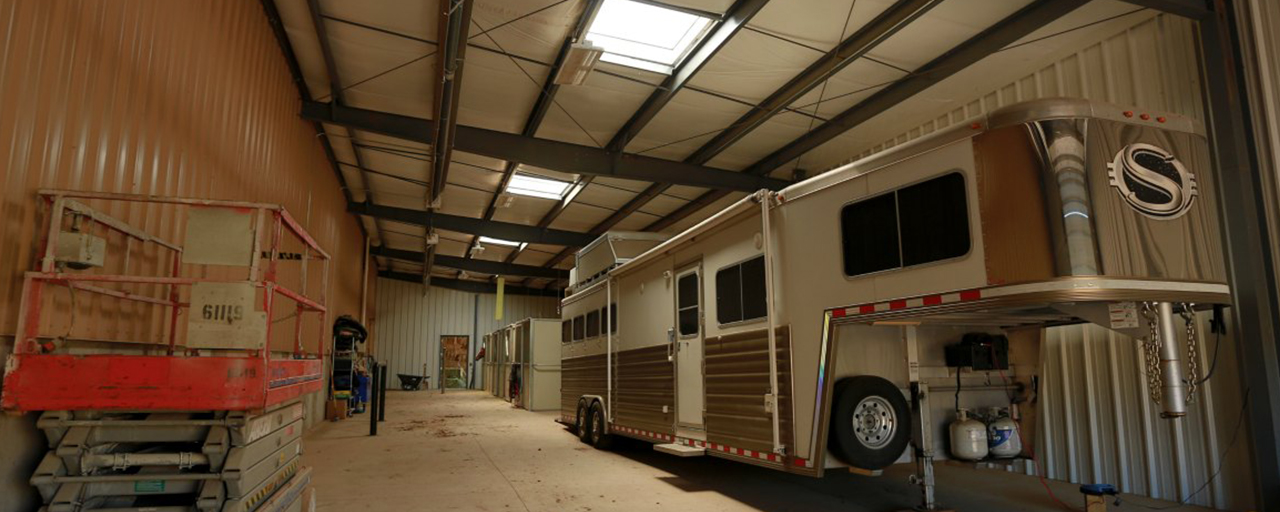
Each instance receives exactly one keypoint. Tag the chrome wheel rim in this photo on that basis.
(874, 422)
(597, 427)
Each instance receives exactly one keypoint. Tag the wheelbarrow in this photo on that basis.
(412, 382)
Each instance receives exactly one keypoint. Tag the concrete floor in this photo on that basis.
(466, 450)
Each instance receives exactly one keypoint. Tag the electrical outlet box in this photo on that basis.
(80, 250)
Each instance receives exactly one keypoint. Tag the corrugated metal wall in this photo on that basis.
(176, 98)
(1098, 425)
(409, 323)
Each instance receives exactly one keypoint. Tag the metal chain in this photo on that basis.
(1152, 348)
(1193, 351)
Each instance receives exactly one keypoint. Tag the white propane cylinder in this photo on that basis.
(1002, 437)
(968, 437)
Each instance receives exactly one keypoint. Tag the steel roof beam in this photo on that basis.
(1012, 28)
(550, 154)
(470, 286)
(1193, 9)
(474, 226)
(472, 265)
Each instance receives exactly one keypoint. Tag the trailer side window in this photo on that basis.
(921, 223)
(613, 318)
(566, 331)
(687, 304)
(579, 328)
(740, 292)
(593, 323)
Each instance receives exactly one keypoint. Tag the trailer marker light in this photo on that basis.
(1160, 119)
(1128, 113)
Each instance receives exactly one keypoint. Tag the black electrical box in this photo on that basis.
(980, 351)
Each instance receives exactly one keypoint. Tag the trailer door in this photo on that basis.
(688, 347)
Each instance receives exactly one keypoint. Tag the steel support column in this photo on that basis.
(1248, 242)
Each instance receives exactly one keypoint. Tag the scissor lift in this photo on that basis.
(211, 418)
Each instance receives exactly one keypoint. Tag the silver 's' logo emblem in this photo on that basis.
(1152, 181)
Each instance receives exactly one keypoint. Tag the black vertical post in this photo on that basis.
(375, 403)
(382, 395)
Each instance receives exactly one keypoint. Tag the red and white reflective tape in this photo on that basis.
(743, 452)
(643, 433)
(765, 456)
(915, 302)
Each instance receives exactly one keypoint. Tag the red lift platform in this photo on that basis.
(224, 369)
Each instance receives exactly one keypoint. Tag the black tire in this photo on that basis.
(580, 421)
(882, 429)
(597, 436)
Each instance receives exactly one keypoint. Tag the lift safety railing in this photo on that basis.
(188, 379)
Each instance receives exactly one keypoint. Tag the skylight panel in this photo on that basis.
(536, 186)
(645, 36)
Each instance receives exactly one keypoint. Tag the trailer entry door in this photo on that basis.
(688, 346)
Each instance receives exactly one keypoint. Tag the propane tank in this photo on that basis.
(968, 437)
(1002, 435)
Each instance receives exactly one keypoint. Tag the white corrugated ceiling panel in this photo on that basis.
(987, 75)
(817, 23)
(601, 105)
(361, 54)
(853, 84)
(537, 37)
(410, 17)
(941, 29)
(496, 94)
(684, 124)
(295, 15)
(751, 65)
(770, 136)
(710, 6)
(580, 217)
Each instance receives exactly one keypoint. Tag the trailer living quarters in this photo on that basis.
(788, 329)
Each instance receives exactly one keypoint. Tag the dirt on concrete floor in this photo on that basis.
(468, 451)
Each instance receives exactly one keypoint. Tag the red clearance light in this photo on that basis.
(1128, 113)
(1145, 117)
(1161, 119)
(976, 126)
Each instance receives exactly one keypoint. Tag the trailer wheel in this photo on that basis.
(869, 422)
(580, 421)
(598, 437)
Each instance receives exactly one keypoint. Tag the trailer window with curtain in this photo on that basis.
(566, 331)
(740, 292)
(579, 328)
(593, 324)
(914, 225)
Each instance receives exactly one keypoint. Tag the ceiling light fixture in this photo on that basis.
(578, 63)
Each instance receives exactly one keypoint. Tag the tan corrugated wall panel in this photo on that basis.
(173, 98)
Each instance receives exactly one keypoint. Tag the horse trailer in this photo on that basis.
(800, 330)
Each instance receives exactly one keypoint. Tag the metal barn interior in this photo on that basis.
(227, 223)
